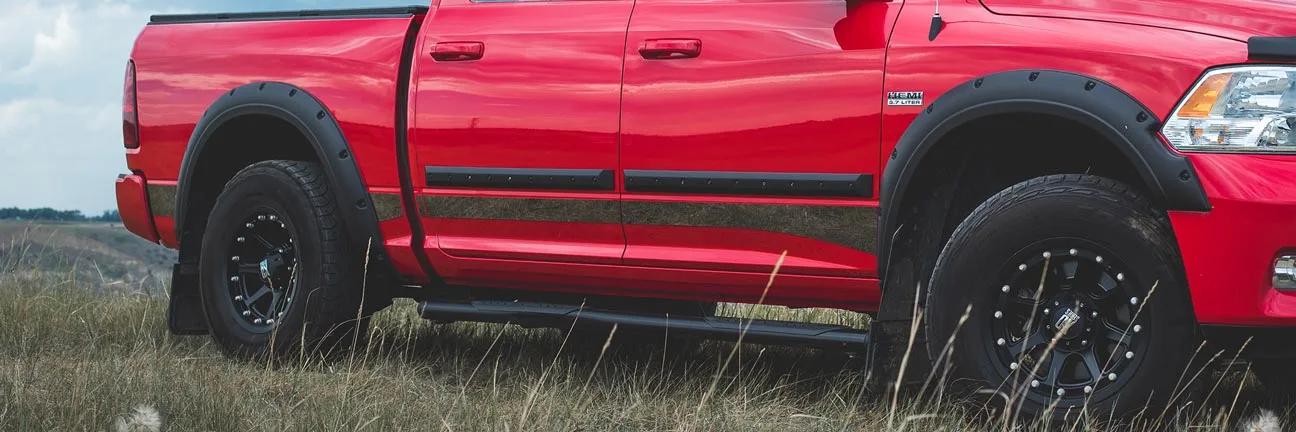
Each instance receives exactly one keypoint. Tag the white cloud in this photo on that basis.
(61, 69)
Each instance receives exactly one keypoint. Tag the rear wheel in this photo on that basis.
(1073, 299)
(273, 271)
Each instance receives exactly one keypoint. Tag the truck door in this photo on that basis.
(514, 131)
(752, 127)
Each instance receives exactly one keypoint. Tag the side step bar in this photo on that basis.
(530, 314)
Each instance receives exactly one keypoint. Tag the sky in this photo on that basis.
(61, 68)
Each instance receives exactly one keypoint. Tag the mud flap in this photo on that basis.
(185, 313)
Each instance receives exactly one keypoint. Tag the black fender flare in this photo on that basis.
(304, 111)
(1111, 112)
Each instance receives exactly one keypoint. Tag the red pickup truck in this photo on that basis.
(1075, 198)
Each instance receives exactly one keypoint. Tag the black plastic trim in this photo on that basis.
(418, 235)
(386, 12)
(530, 314)
(1259, 48)
(302, 110)
(525, 178)
(750, 183)
(1113, 113)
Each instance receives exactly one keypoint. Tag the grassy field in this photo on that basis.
(83, 346)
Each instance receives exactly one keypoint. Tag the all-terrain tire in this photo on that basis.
(319, 307)
(1098, 240)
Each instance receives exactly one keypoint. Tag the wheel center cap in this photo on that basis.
(1069, 321)
(270, 265)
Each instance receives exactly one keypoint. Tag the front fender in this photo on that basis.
(1112, 113)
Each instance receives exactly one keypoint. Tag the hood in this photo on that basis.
(1233, 19)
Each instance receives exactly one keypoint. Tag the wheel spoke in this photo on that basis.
(254, 297)
(1027, 344)
(1091, 364)
(1069, 270)
(274, 304)
(1114, 334)
(1057, 360)
(264, 242)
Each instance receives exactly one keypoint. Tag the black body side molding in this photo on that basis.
(750, 183)
(315, 122)
(1111, 112)
(1262, 48)
(386, 12)
(530, 178)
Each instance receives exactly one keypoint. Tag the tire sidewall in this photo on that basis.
(967, 273)
(256, 189)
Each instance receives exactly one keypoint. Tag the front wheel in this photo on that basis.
(274, 271)
(1064, 294)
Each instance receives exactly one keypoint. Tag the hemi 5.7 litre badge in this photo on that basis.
(905, 98)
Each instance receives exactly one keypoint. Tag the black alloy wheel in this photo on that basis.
(1064, 296)
(263, 270)
(275, 272)
(1066, 318)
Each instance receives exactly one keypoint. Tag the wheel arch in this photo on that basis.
(1166, 176)
(233, 134)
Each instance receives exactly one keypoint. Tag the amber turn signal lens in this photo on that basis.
(1201, 102)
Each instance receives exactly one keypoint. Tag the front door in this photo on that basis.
(514, 134)
(750, 128)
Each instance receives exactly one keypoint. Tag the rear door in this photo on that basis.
(514, 139)
(752, 127)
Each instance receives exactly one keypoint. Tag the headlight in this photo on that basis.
(1238, 109)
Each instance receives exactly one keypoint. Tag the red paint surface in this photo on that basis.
(545, 94)
(1229, 252)
(776, 86)
(350, 65)
(132, 203)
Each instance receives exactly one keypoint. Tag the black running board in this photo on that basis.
(529, 314)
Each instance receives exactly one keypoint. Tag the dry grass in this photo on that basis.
(73, 358)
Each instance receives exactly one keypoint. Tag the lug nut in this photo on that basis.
(998, 314)
(1098, 259)
(1061, 392)
(1034, 383)
(1084, 342)
(1012, 366)
(241, 239)
(1001, 342)
(1005, 288)
(234, 278)
(1094, 314)
(1111, 377)
(256, 321)
(270, 322)
(247, 313)
(1137, 328)
(273, 217)
(1073, 251)
(1134, 300)
(1120, 276)
(1088, 389)
(1048, 254)
(1046, 311)
(238, 298)
(261, 217)
(1021, 267)
(250, 225)
(1129, 354)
